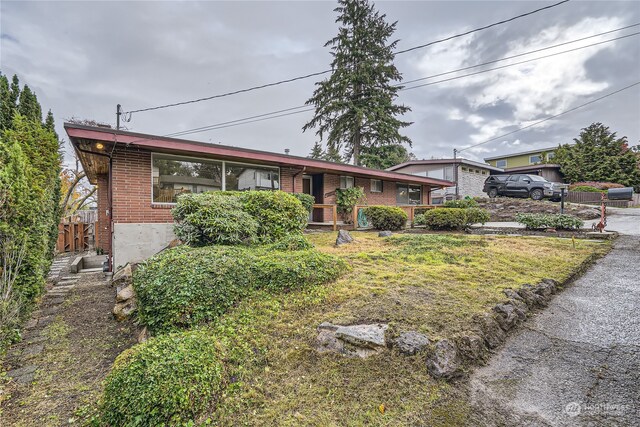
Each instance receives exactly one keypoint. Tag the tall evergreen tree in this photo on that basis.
(316, 152)
(333, 155)
(28, 105)
(7, 103)
(355, 106)
(599, 155)
(385, 156)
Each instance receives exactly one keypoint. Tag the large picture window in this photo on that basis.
(172, 176)
(408, 194)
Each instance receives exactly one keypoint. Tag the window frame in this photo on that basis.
(381, 186)
(539, 156)
(353, 180)
(193, 159)
(498, 163)
(408, 186)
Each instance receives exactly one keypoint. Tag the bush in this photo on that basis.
(183, 286)
(346, 199)
(386, 217)
(451, 218)
(542, 221)
(212, 218)
(463, 204)
(296, 242)
(587, 188)
(595, 184)
(278, 213)
(167, 381)
(307, 200)
(443, 219)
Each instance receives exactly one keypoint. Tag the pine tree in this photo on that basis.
(385, 156)
(316, 151)
(355, 105)
(7, 107)
(333, 155)
(28, 105)
(599, 155)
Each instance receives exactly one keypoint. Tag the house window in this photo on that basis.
(240, 177)
(448, 173)
(501, 163)
(408, 194)
(376, 186)
(484, 172)
(535, 159)
(172, 176)
(346, 182)
(464, 169)
(550, 155)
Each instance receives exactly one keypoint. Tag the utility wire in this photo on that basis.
(267, 116)
(175, 104)
(551, 117)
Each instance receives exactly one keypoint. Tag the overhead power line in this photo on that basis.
(280, 82)
(305, 108)
(551, 117)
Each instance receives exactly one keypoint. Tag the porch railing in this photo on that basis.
(334, 213)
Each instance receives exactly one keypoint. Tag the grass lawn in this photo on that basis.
(429, 283)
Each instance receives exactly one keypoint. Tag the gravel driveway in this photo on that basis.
(577, 363)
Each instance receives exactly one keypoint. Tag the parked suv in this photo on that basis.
(519, 185)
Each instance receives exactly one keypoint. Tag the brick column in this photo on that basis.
(103, 224)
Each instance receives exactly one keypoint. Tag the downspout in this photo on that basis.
(294, 176)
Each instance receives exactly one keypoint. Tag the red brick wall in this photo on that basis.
(132, 199)
(103, 224)
(287, 177)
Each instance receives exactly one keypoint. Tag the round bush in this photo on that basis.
(463, 203)
(213, 218)
(184, 287)
(278, 213)
(296, 242)
(443, 219)
(166, 381)
(534, 221)
(477, 215)
(307, 200)
(386, 217)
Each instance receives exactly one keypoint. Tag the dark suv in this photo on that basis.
(519, 185)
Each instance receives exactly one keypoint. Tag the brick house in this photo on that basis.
(470, 176)
(139, 177)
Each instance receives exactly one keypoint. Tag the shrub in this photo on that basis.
(386, 217)
(594, 184)
(443, 219)
(166, 381)
(183, 286)
(346, 199)
(586, 188)
(212, 218)
(477, 215)
(278, 213)
(463, 204)
(541, 221)
(307, 200)
(296, 242)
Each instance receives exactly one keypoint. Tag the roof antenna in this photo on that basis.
(118, 114)
(286, 151)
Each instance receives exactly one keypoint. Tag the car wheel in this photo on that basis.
(536, 194)
(493, 193)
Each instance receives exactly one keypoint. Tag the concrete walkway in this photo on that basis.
(577, 363)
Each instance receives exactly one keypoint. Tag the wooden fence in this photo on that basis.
(583, 197)
(75, 236)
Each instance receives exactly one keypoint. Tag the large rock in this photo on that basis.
(490, 330)
(124, 276)
(531, 298)
(471, 348)
(385, 233)
(125, 294)
(444, 361)
(411, 342)
(343, 237)
(353, 341)
(508, 315)
(123, 310)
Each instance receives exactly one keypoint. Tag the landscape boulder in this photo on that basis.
(508, 315)
(471, 348)
(354, 340)
(385, 233)
(125, 294)
(444, 361)
(490, 330)
(123, 310)
(343, 238)
(123, 276)
(411, 342)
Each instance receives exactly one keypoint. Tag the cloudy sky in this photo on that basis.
(84, 57)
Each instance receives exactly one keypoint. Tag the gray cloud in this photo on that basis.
(83, 58)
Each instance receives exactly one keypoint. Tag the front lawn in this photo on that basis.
(430, 283)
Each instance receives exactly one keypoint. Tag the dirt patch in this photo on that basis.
(79, 347)
(506, 208)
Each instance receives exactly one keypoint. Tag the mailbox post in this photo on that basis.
(563, 191)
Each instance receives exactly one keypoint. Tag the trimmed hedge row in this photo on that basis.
(166, 381)
(183, 287)
(542, 221)
(386, 217)
(232, 218)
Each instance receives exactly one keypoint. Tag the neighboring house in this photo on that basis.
(471, 176)
(536, 162)
(139, 177)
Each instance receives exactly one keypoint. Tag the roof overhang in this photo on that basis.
(532, 168)
(445, 162)
(94, 146)
(521, 153)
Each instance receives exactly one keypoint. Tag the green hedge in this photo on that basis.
(463, 204)
(307, 200)
(587, 188)
(231, 218)
(386, 217)
(184, 287)
(451, 218)
(166, 381)
(542, 221)
(212, 218)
